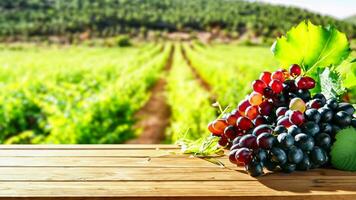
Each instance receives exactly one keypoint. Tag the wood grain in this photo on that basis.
(76, 172)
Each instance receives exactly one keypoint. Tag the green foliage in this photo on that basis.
(331, 83)
(312, 46)
(44, 99)
(123, 41)
(108, 18)
(343, 151)
(190, 106)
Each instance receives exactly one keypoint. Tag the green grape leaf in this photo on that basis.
(331, 84)
(311, 46)
(343, 151)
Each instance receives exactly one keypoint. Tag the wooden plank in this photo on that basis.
(58, 174)
(89, 146)
(239, 189)
(162, 162)
(92, 153)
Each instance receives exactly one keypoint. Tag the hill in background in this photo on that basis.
(97, 18)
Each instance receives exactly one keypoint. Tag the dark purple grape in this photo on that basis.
(260, 155)
(295, 155)
(326, 128)
(317, 156)
(255, 168)
(294, 130)
(332, 103)
(304, 94)
(353, 122)
(321, 97)
(342, 119)
(311, 128)
(285, 140)
(304, 141)
(348, 108)
(305, 163)
(312, 114)
(278, 155)
(280, 129)
(288, 167)
(326, 114)
(266, 141)
(323, 140)
(271, 165)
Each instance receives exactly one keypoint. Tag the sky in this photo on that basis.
(336, 8)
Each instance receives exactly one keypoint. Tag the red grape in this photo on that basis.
(305, 82)
(268, 92)
(244, 123)
(230, 132)
(281, 111)
(266, 77)
(251, 112)
(236, 113)
(213, 130)
(315, 103)
(232, 156)
(223, 141)
(255, 99)
(296, 117)
(265, 108)
(262, 129)
(279, 75)
(276, 86)
(310, 82)
(232, 119)
(219, 125)
(248, 141)
(295, 70)
(243, 105)
(259, 86)
(243, 155)
(260, 120)
(284, 121)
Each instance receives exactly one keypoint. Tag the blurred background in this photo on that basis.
(140, 71)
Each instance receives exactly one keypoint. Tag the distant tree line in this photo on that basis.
(111, 17)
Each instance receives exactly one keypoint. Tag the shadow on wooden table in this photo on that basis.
(313, 180)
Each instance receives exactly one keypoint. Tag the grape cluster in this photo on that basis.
(280, 126)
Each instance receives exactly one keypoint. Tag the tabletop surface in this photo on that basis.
(151, 172)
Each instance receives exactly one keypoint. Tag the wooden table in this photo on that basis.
(151, 172)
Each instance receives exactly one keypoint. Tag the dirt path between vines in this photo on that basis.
(154, 116)
(197, 76)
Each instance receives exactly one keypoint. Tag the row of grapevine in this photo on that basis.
(189, 102)
(85, 104)
(228, 68)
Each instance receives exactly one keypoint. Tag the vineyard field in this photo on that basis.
(86, 95)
